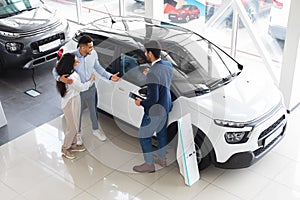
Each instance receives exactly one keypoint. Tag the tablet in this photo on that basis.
(134, 96)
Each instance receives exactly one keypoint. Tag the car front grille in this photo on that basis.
(274, 126)
(35, 45)
(277, 126)
(261, 151)
(50, 39)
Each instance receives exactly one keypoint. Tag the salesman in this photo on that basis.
(157, 105)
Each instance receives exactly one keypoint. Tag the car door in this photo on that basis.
(131, 71)
(113, 97)
(106, 54)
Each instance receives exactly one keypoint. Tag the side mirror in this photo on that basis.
(143, 91)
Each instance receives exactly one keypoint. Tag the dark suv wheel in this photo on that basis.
(187, 18)
(252, 10)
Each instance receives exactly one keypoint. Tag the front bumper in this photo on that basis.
(266, 132)
(38, 48)
(248, 158)
(176, 17)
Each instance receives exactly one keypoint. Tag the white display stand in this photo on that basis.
(3, 120)
(186, 152)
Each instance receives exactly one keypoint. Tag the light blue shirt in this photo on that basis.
(86, 66)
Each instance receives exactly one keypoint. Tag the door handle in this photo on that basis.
(121, 89)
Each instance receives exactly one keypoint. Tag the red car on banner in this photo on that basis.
(185, 13)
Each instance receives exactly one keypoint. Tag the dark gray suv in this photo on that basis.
(30, 34)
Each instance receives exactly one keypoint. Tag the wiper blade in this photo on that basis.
(27, 9)
(203, 89)
(7, 15)
(222, 81)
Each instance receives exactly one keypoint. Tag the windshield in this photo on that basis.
(184, 7)
(14, 7)
(198, 64)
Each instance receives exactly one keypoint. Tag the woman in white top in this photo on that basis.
(70, 102)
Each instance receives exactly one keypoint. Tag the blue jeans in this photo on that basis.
(149, 125)
(89, 98)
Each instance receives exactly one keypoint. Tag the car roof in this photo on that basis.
(138, 29)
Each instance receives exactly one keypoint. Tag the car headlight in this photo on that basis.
(14, 47)
(229, 123)
(9, 34)
(236, 137)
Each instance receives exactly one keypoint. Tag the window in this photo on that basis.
(14, 7)
(132, 66)
(105, 51)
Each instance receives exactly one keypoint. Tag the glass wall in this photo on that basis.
(95, 9)
(268, 17)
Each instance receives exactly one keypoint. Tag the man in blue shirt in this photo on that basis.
(157, 106)
(88, 64)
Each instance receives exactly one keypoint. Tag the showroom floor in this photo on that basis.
(22, 111)
(32, 168)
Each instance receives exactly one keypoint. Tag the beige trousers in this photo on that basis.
(72, 114)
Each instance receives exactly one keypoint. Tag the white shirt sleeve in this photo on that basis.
(77, 85)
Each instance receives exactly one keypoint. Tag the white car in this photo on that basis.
(279, 19)
(236, 116)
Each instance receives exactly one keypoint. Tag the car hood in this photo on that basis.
(242, 100)
(28, 20)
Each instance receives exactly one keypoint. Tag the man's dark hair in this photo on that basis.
(85, 39)
(153, 46)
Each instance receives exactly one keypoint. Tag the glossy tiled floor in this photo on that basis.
(23, 112)
(31, 167)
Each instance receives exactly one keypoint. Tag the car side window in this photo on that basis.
(105, 53)
(127, 63)
(132, 66)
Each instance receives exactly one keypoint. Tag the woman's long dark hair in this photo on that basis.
(64, 66)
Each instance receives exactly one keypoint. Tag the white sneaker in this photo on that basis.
(79, 139)
(101, 136)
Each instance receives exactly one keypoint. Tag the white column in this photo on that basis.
(290, 71)
(79, 11)
(121, 8)
(154, 9)
(234, 32)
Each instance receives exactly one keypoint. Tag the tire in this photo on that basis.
(187, 18)
(252, 11)
(204, 150)
(172, 132)
(2, 68)
(209, 13)
(228, 21)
